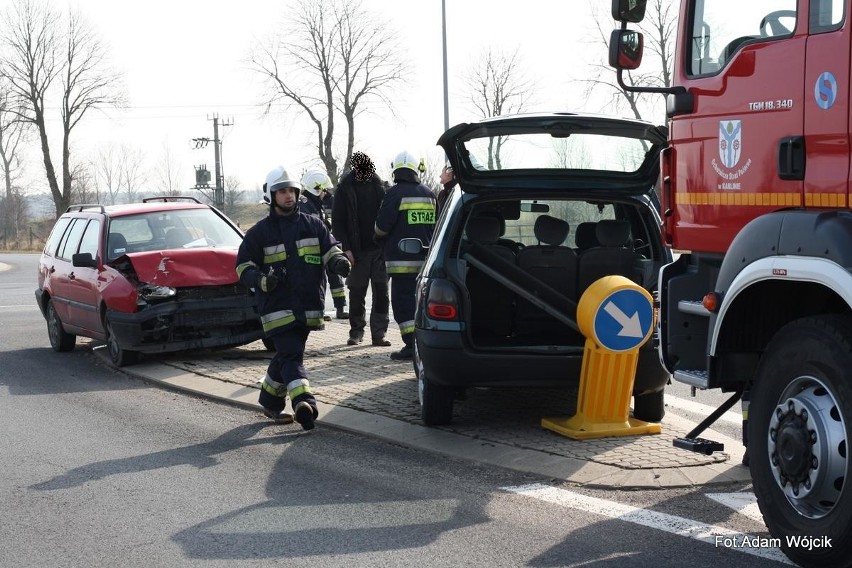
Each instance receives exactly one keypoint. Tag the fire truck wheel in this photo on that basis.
(800, 424)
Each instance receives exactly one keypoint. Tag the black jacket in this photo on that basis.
(344, 213)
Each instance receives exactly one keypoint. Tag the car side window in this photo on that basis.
(69, 245)
(91, 238)
(56, 235)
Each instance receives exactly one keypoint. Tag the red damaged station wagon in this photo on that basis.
(150, 277)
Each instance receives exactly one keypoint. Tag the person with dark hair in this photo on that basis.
(356, 204)
(283, 258)
(448, 182)
(408, 210)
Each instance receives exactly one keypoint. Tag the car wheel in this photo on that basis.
(800, 424)
(60, 340)
(649, 407)
(119, 357)
(270, 346)
(436, 401)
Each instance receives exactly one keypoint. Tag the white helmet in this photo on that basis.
(278, 179)
(406, 159)
(315, 181)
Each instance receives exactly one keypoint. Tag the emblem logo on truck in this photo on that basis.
(730, 142)
(825, 90)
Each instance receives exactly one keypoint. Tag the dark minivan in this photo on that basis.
(545, 205)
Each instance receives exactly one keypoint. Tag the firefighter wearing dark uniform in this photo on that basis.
(283, 258)
(316, 185)
(408, 210)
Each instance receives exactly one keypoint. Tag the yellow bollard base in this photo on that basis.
(578, 428)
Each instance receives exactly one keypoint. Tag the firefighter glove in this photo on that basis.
(341, 265)
(269, 281)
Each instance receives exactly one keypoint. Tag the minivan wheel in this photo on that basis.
(436, 401)
(119, 357)
(649, 407)
(60, 340)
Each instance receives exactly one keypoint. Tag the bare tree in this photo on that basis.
(331, 57)
(169, 173)
(83, 186)
(131, 172)
(233, 191)
(12, 136)
(659, 28)
(107, 173)
(498, 86)
(42, 49)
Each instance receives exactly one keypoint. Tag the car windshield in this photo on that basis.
(579, 151)
(172, 229)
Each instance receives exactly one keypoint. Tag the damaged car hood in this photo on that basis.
(186, 268)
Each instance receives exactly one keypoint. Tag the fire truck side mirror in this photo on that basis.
(625, 49)
(632, 11)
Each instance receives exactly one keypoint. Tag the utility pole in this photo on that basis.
(446, 96)
(219, 182)
(219, 191)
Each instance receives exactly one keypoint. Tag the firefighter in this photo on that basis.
(317, 186)
(408, 210)
(283, 257)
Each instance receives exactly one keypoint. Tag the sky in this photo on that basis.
(184, 61)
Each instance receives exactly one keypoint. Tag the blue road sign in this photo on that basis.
(623, 320)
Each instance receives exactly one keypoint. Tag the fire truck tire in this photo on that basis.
(649, 407)
(800, 425)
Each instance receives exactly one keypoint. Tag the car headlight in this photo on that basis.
(150, 292)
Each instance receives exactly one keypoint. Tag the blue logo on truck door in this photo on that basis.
(825, 90)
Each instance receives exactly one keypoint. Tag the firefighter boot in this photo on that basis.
(278, 416)
(306, 413)
(342, 314)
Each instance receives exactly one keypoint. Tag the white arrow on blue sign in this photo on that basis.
(623, 320)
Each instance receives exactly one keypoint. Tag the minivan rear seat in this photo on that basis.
(613, 256)
(491, 304)
(553, 264)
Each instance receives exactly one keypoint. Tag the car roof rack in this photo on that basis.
(168, 198)
(82, 206)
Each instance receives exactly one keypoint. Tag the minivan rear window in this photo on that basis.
(542, 151)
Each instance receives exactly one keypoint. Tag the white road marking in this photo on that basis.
(20, 307)
(702, 409)
(710, 534)
(744, 503)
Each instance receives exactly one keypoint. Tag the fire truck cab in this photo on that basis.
(754, 192)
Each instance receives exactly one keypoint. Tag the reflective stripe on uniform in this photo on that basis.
(297, 387)
(409, 203)
(276, 253)
(332, 252)
(308, 246)
(242, 267)
(313, 318)
(406, 327)
(403, 266)
(338, 292)
(273, 387)
(276, 319)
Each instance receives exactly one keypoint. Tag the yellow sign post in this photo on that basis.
(617, 317)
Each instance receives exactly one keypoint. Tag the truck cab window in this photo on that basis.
(717, 36)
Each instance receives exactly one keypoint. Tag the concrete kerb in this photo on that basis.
(570, 469)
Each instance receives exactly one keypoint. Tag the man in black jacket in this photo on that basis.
(356, 204)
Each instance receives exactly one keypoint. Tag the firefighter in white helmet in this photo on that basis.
(317, 187)
(283, 257)
(408, 210)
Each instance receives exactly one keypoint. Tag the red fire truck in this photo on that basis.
(755, 189)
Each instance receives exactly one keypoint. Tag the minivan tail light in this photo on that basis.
(442, 301)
